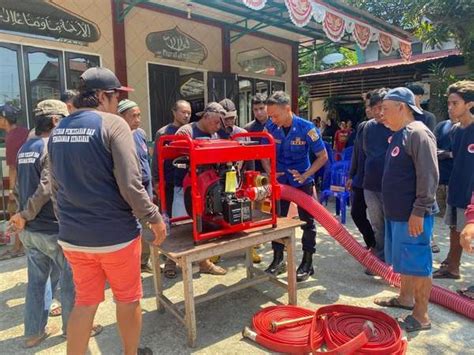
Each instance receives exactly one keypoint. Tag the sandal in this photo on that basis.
(55, 310)
(445, 274)
(391, 302)
(37, 340)
(9, 254)
(170, 269)
(212, 269)
(411, 324)
(96, 330)
(467, 292)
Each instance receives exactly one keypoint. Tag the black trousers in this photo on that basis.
(309, 228)
(359, 216)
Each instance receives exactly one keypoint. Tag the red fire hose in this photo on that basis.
(439, 295)
(343, 329)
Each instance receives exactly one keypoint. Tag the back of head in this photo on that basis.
(416, 89)
(47, 114)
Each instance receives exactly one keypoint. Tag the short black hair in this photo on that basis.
(259, 98)
(68, 96)
(416, 89)
(44, 124)
(377, 96)
(279, 98)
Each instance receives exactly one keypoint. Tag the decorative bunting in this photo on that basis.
(362, 35)
(385, 43)
(336, 24)
(333, 26)
(300, 11)
(255, 4)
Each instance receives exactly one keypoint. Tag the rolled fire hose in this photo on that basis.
(439, 295)
(343, 329)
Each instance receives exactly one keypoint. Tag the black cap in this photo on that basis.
(9, 112)
(99, 78)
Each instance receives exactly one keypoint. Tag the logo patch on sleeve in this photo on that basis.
(313, 135)
(470, 148)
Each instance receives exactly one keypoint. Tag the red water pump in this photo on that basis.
(220, 195)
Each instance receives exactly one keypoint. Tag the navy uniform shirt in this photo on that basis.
(356, 172)
(139, 137)
(461, 182)
(255, 126)
(169, 129)
(428, 118)
(375, 138)
(410, 177)
(293, 149)
(31, 163)
(443, 141)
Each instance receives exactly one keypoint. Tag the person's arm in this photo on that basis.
(467, 234)
(11, 180)
(118, 138)
(421, 146)
(155, 175)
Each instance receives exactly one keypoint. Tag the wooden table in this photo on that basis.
(179, 247)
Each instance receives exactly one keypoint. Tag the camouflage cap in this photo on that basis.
(229, 107)
(51, 107)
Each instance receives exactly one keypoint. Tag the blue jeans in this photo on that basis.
(46, 262)
(373, 200)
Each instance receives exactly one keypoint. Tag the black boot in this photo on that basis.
(277, 266)
(305, 269)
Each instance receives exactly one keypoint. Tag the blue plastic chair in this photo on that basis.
(334, 185)
(347, 154)
(321, 172)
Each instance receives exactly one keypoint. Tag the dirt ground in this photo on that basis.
(338, 279)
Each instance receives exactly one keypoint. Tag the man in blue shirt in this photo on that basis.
(39, 226)
(131, 113)
(375, 140)
(461, 181)
(294, 138)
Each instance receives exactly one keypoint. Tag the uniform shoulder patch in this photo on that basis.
(313, 134)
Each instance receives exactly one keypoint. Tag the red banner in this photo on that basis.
(385, 43)
(333, 26)
(405, 50)
(362, 35)
(300, 11)
(255, 4)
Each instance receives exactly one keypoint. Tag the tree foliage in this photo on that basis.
(432, 21)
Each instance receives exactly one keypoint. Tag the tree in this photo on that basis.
(432, 21)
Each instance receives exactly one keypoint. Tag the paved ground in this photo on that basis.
(338, 279)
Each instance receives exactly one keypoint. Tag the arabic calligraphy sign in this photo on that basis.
(45, 19)
(176, 45)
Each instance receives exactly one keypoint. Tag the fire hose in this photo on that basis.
(343, 329)
(439, 295)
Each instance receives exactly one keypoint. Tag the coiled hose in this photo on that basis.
(439, 295)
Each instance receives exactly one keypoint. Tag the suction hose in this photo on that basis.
(439, 295)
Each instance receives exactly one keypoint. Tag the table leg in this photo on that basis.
(190, 314)
(248, 262)
(291, 257)
(155, 262)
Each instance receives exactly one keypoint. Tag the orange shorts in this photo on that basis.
(120, 268)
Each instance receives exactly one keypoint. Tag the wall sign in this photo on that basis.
(176, 45)
(44, 18)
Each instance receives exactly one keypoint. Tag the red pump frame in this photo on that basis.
(202, 152)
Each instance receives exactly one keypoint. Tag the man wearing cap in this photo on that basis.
(131, 113)
(294, 138)
(97, 184)
(409, 184)
(229, 128)
(37, 221)
(207, 127)
(15, 136)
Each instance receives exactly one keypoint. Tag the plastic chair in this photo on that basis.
(334, 185)
(347, 153)
(321, 172)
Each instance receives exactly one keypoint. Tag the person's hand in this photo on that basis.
(159, 231)
(349, 184)
(467, 235)
(17, 221)
(301, 178)
(415, 225)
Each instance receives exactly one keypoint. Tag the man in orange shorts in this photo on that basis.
(96, 182)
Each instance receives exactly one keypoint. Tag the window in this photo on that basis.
(261, 61)
(10, 84)
(43, 75)
(76, 64)
(40, 74)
